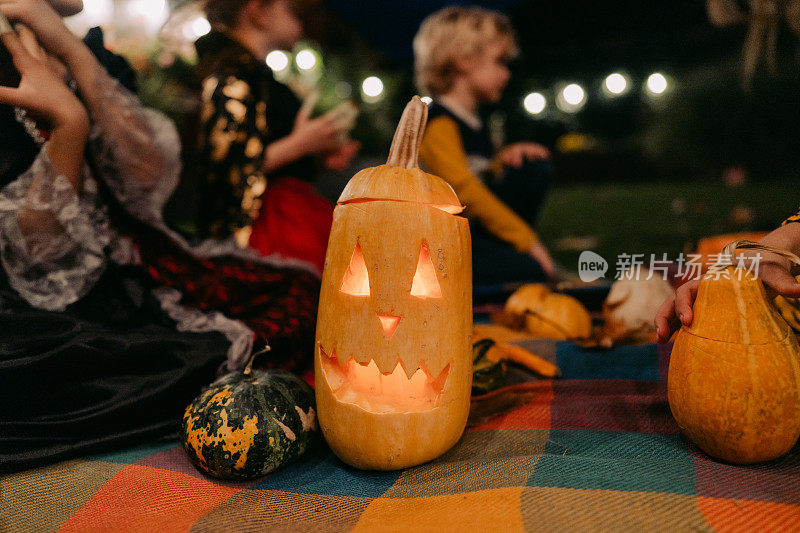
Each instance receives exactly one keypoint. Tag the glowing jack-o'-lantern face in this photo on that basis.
(393, 361)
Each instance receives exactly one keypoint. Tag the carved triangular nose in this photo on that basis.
(389, 324)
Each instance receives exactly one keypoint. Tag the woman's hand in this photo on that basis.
(41, 91)
(46, 24)
(515, 155)
(45, 95)
(773, 270)
(539, 252)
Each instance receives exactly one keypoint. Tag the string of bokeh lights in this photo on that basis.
(150, 16)
(569, 97)
(572, 97)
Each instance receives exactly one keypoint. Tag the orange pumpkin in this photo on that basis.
(394, 355)
(709, 248)
(549, 315)
(734, 374)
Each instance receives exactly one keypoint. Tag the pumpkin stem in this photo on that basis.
(404, 152)
(728, 253)
(249, 368)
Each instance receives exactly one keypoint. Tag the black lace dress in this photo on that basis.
(109, 323)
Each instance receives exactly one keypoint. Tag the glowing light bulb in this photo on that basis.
(534, 103)
(571, 98)
(278, 60)
(615, 84)
(372, 87)
(306, 59)
(196, 28)
(574, 94)
(656, 84)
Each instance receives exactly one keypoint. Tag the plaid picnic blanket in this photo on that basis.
(597, 450)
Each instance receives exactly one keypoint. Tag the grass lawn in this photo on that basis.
(657, 218)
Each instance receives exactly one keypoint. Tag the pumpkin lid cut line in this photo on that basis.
(777, 341)
(754, 309)
(453, 209)
(401, 179)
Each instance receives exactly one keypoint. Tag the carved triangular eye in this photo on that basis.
(356, 279)
(425, 284)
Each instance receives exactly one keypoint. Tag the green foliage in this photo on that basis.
(169, 85)
(657, 217)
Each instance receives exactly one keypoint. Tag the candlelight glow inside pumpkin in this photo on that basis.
(367, 387)
(425, 284)
(356, 279)
(389, 324)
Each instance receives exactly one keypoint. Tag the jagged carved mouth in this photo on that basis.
(367, 387)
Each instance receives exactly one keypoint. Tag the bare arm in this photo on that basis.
(50, 244)
(42, 93)
(119, 116)
(309, 136)
(120, 125)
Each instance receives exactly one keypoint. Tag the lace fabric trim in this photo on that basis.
(52, 240)
(136, 151)
(137, 154)
(194, 320)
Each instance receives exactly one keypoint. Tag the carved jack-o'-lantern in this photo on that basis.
(393, 350)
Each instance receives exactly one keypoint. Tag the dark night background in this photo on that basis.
(635, 174)
(706, 124)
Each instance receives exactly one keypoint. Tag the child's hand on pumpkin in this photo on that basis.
(515, 155)
(676, 310)
(773, 270)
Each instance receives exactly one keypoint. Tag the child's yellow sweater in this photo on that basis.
(461, 154)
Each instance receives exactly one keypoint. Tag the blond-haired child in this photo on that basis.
(461, 60)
